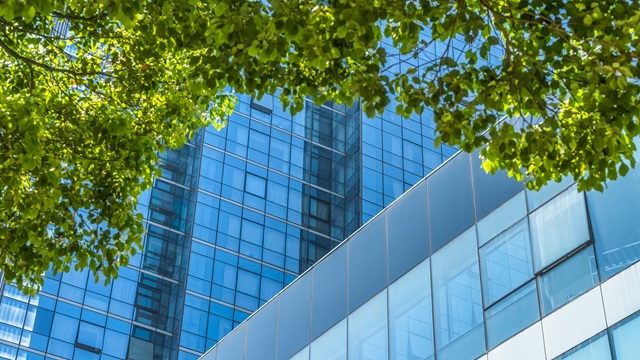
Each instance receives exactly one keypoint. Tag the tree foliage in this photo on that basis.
(83, 113)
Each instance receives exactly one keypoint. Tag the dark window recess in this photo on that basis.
(319, 209)
(88, 348)
(261, 108)
(90, 337)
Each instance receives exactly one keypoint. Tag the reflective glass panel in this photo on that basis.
(367, 262)
(332, 345)
(408, 231)
(329, 301)
(294, 318)
(596, 348)
(512, 314)
(410, 319)
(537, 198)
(261, 333)
(491, 190)
(450, 201)
(232, 348)
(506, 262)
(568, 280)
(625, 339)
(90, 335)
(457, 300)
(558, 227)
(302, 355)
(501, 218)
(614, 216)
(368, 330)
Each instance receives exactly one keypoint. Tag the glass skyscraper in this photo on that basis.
(236, 215)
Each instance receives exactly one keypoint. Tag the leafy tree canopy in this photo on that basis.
(84, 112)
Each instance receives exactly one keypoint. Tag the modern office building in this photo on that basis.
(236, 215)
(467, 266)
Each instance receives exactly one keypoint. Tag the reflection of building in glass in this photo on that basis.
(511, 274)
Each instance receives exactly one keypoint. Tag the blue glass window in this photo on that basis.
(501, 218)
(332, 345)
(261, 333)
(596, 348)
(294, 322)
(64, 328)
(42, 321)
(506, 262)
(450, 201)
(252, 232)
(512, 314)
(491, 190)
(195, 321)
(367, 262)
(255, 185)
(614, 217)
(408, 231)
(200, 266)
(537, 198)
(329, 301)
(228, 349)
(90, 335)
(457, 300)
(218, 327)
(367, 330)
(568, 280)
(12, 312)
(410, 319)
(248, 283)
(558, 227)
(625, 339)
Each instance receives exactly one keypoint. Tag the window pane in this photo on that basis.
(329, 300)
(294, 318)
(503, 217)
(596, 348)
(558, 227)
(255, 185)
(407, 228)
(512, 314)
(450, 201)
(367, 262)
(537, 198)
(332, 345)
(625, 339)
(90, 335)
(568, 280)
(302, 355)
(261, 333)
(614, 217)
(64, 328)
(457, 299)
(410, 323)
(491, 190)
(368, 330)
(506, 262)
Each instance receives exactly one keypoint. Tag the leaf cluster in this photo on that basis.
(93, 90)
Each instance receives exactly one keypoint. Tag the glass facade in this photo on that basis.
(526, 272)
(236, 216)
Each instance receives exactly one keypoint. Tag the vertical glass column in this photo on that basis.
(457, 299)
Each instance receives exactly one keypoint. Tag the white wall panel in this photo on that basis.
(574, 323)
(527, 345)
(621, 294)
